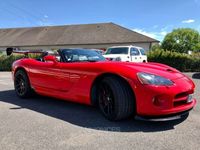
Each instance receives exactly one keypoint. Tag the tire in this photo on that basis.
(22, 84)
(115, 98)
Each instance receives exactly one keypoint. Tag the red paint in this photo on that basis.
(73, 81)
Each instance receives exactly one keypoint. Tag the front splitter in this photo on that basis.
(164, 118)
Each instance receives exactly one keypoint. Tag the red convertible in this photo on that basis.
(149, 91)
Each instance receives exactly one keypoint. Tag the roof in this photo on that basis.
(102, 33)
(126, 46)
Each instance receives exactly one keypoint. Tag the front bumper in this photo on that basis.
(159, 101)
(164, 118)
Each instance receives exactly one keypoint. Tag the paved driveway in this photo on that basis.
(45, 123)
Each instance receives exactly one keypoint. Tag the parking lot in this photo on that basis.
(46, 123)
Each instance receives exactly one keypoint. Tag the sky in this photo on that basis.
(154, 18)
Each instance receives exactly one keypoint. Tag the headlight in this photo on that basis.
(151, 79)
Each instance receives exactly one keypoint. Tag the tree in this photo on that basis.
(182, 40)
(155, 47)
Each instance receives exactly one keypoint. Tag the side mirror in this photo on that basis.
(50, 58)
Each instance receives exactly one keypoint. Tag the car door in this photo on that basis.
(48, 76)
(143, 55)
(135, 55)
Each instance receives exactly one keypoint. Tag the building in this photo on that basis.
(100, 35)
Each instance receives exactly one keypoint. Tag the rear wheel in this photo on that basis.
(22, 84)
(116, 100)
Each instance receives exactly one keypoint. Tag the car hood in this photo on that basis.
(156, 69)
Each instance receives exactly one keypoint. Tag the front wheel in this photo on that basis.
(116, 100)
(22, 84)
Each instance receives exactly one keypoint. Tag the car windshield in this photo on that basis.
(81, 55)
(142, 51)
(117, 50)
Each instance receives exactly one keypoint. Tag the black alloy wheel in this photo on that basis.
(106, 100)
(115, 98)
(22, 84)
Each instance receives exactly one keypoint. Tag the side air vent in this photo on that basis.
(170, 70)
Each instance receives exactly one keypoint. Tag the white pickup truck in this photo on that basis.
(126, 54)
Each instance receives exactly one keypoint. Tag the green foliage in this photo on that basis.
(180, 61)
(197, 47)
(181, 40)
(6, 61)
(156, 46)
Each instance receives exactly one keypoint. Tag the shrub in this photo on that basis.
(6, 61)
(180, 61)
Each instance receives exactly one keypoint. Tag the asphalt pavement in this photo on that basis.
(44, 123)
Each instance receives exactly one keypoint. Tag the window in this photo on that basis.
(117, 50)
(142, 51)
(135, 52)
(81, 55)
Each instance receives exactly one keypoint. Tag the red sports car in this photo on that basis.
(149, 91)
